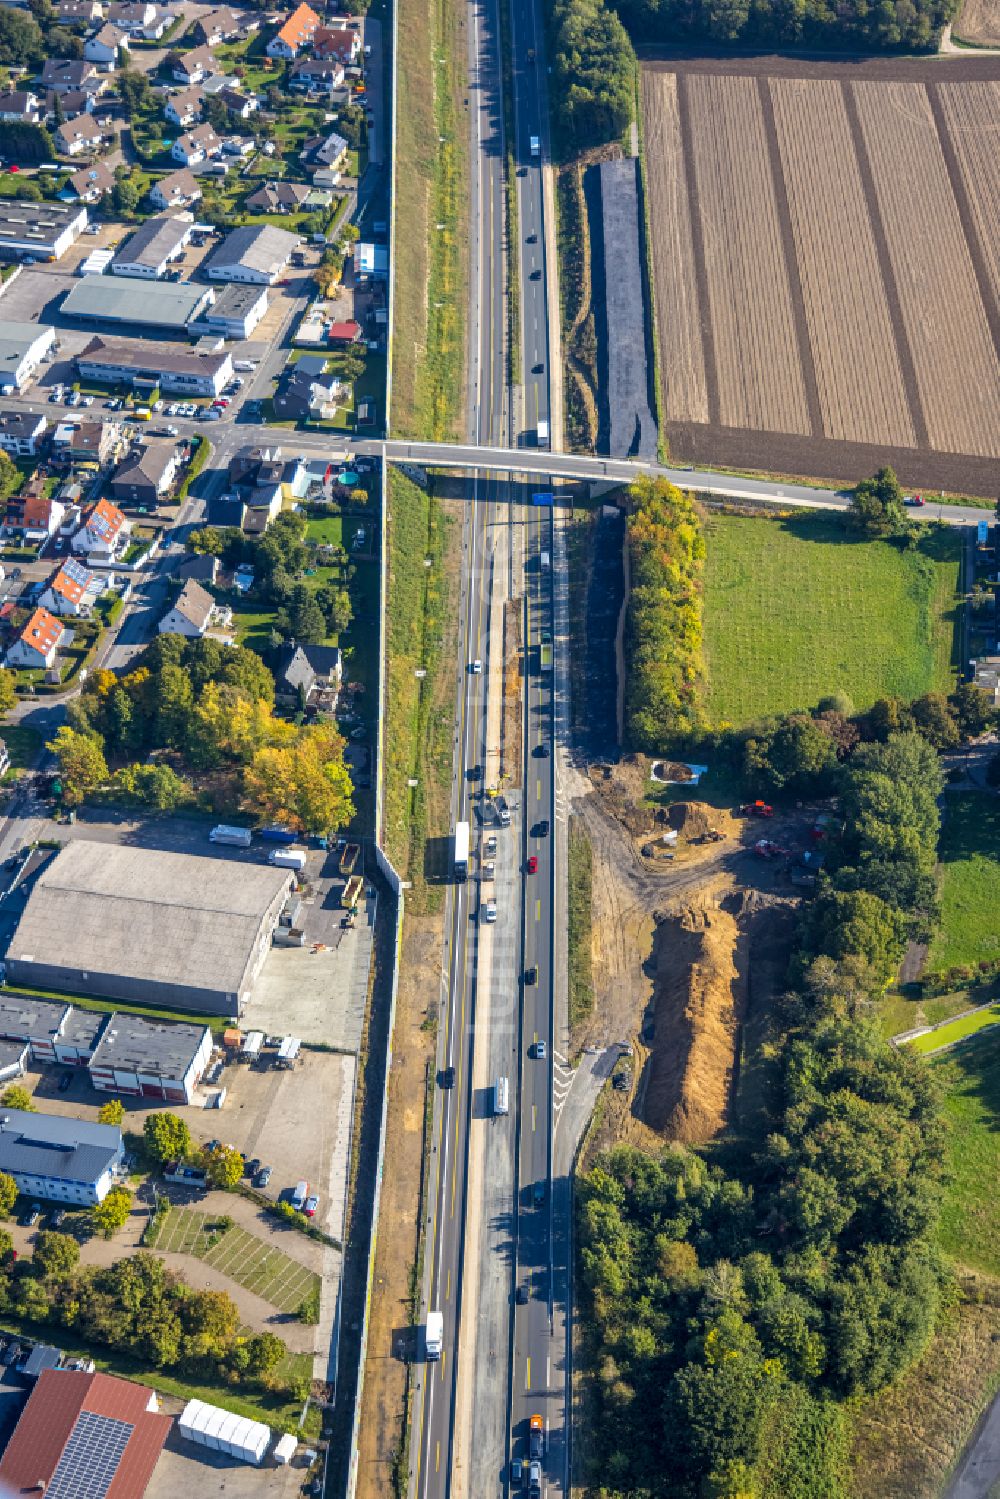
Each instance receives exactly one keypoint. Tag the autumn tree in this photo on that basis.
(8, 1194)
(8, 690)
(112, 1112)
(167, 1137)
(223, 1167)
(16, 1097)
(55, 1256)
(82, 766)
(306, 786)
(113, 1212)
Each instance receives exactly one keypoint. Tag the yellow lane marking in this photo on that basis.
(538, 790)
(534, 1116)
(538, 910)
(437, 1457)
(527, 1375)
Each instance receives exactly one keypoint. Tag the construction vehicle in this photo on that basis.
(352, 892)
(756, 809)
(536, 1438)
(349, 858)
(712, 835)
(765, 849)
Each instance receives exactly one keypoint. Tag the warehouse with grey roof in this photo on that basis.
(167, 306)
(145, 926)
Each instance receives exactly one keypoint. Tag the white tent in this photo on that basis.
(223, 1432)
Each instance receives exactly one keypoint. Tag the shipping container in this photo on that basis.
(277, 834)
(238, 837)
(352, 892)
(236, 1436)
(349, 858)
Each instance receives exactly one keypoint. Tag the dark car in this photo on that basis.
(448, 1077)
(522, 1295)
(542, 750)
(58, 1218)
(474, 773)
(263, 1176)
(30, 1216)
(251, 1167)
(536, 276)
(541, 829)
(532, 239)
(538, 369)
(539, 1194)
(531, 974)
(65, 1082)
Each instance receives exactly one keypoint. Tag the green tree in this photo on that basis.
(125, 195)
(167, 1137)
(113, 1213)
(877, 505)
(8, 693)
(224, 1167)
(209, 541)
(55, 1256)
(303, 618)
(796, 754)
(135, 91)
(261, 1354)
(157, 785)
(21, 41)
(112, 1112)
(934, 719)
(973, 710)
(16, 1097)
(10, 476)
(8, 1194)
(82, 766)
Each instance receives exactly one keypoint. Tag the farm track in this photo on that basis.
(956, 363)
(682, 353)
(860, 383)
(760, 374)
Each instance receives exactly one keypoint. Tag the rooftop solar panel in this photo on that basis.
(90, 1458)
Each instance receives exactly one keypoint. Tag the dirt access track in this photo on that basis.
(689, 943)
(826, 256)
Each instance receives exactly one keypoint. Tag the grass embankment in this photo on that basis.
(418, 710)
(580, 880)
(970, 1219)
(797, 608)
(432, 188)
(579, 332)
(970, 884)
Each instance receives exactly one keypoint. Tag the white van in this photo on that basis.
(501, 1096)
(300, 1196)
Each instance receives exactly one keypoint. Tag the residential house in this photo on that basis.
(192, 67)
(216, 26)
(191, 614)
(306, 396)
(146, 477)
(105, 45)
(343, 334)
(279, 197)
(176, 190)
(79, 12)
(140, 18)
(81, 133)
(61, 74)
(72, 591)
(330, 151)
(37, 644)
(340, 42)
(34, 514)
(255, 253)
(86, 444)
(91, 182)
(257, 479)
(295, 34)
(21, 432)
(20, 105)
(199, 568)
(238, 104)
(104, 534)
(322, 74)
(74, 101)
(185, 108)
(196, 146)
(306, 672)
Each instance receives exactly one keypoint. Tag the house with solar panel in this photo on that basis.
(104, 534)
(58, 1158)
(74, 590)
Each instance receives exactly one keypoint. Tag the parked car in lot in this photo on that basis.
(31, 1216)
(65, 1082)
(312, 1203)
(263, 1176)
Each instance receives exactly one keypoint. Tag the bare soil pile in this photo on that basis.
(699, 999)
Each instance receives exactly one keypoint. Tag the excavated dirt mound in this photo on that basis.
(693, 819)
(698, 1000)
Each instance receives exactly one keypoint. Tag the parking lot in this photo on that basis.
(184, 1468)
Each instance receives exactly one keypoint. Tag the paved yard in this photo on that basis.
(184, 1468)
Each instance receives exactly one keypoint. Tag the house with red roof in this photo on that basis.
(85, 1434)
(36, 647)
(34, 514)
(104, 534)
(73, 590)
(337, 42)
(297, 32)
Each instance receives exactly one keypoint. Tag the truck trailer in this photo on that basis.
(288, 858)
(434, 1335)
(238, 837)
(461, 850)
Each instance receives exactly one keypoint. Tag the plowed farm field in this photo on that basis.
(826, 260)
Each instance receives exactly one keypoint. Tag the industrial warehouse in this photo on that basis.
(148, 927)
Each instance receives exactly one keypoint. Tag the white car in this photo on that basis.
(312, 1203)
(476, 667)
(490, 911)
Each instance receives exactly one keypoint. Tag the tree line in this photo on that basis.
(663, 624)
(593, 69)
(736, 1305)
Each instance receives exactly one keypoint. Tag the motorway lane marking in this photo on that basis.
(534, 1116)
(538, 790)
(538, 910)
(437, 1457)
(527, 1375)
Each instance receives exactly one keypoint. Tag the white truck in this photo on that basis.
(238, 837)
(461, 853)
(434, 1336)
(288, 858)
(542, 433)
(536, 146)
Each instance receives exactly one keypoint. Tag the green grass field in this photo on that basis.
(970, 1220)
(970, 883)
(247, 1260)
(797, 609)
(956, 1030)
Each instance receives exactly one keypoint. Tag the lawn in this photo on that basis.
(970, 1219)
(246, 1259)
(23, 745)
(970, 882)
(899, 1013)
(957, 1030)
(796, 609)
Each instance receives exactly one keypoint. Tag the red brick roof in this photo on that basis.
(58, 1401)
(335, 41)
(71, 581)
(105, 521)
(42, 631)
(36, 512)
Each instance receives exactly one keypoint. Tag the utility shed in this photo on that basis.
(633, 429)
(149, 927)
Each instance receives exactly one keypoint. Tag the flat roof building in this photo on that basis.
(236, 311)
(172, 367)
(151, 1058)
(54, 1031)
(163, 305)
(44, 231)
(23, 346)
(59, 1158)
(149, 927)
(148, 252)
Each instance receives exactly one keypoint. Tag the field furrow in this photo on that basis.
(756, 351)
(682, 355)
(945, 321)
(861, 388)
(972, 114)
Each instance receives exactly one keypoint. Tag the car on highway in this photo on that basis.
(522, 1295)
(540, 1051)
(474, 773)
(532, 239)
(448, 1077)
(532, 865)
(536, 1438)
(312, 1203)
(531, 974)
(536, 275)
(516, 1472)
(476, 667)
(542, 750)
(534, 1478)
(538, 369)
(490, 912)
(541, 829)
